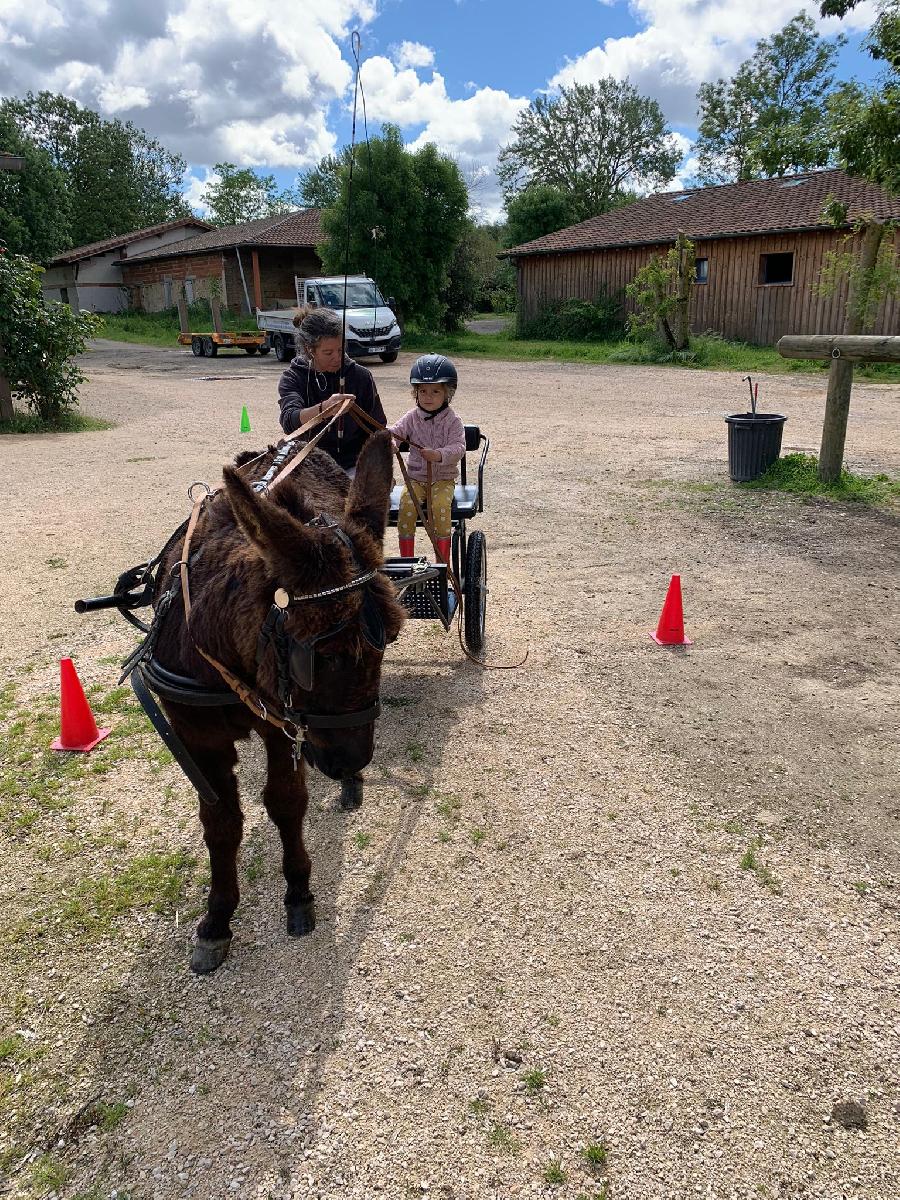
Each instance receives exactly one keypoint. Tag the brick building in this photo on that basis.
(249, 266)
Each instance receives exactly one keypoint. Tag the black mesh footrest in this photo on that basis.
(422, 586)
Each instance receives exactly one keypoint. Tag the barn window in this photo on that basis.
(776, 268)
(702, 265)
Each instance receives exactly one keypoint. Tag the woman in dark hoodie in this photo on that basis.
(312, 385)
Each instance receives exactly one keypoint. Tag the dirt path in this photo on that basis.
(624, 898)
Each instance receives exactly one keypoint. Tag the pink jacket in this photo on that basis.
(445, 433)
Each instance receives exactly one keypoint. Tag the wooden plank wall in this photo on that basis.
(733, 303)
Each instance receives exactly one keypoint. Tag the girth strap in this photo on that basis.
(170, 738)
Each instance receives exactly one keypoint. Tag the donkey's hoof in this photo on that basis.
(301, 918)
(351, 792)
(207, 955)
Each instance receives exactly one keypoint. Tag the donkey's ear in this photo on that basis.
(276, 535)
(370, 491)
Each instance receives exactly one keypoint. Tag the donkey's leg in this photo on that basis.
(286, 798)
(223, 825)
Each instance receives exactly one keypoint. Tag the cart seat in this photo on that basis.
(466, 496)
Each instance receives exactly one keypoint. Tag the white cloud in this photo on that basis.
(686, 42)
(412, 54)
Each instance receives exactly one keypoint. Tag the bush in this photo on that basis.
(575, 320)
(40, 340)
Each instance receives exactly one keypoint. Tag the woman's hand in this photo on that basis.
(432, 456)
(336, 400)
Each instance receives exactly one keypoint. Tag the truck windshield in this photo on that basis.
(359, 295)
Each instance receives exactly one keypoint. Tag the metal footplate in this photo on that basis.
(421, 588)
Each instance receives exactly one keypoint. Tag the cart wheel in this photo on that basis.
(282, 352)
(475, 590)
(251, 349)
(391, 356)
(210, 349)
(197, 347)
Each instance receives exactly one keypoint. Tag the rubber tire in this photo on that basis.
(390, 357)
(475, 590)
(251, 349)
(210, 349)
(197, 347)
(264, 349)
(282, 352)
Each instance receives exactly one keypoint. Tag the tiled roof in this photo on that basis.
(792, 202)
(125, 239)
(301, 228)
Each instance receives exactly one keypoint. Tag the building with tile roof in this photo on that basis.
(760, 247)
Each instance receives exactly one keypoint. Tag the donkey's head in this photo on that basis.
(337, 613)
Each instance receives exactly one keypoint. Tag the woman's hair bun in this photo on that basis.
(301, 314)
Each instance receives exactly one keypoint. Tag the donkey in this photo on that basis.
(315, 533)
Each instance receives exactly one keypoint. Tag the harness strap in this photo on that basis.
(170, 738)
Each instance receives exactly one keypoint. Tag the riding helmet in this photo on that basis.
(433, 368)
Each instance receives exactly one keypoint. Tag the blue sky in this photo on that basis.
(270, 86)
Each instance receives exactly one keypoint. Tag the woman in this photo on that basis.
(312, 385)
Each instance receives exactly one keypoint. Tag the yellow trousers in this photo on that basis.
(442, 499)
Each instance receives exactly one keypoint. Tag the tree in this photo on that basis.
(34, 203)
(537, 210)
(320, 186)
(117, 177)
(239, 194)
(38, 340)
(866, 121)
(770, 118)
(408, 216)
(593, 143)
(661, 291)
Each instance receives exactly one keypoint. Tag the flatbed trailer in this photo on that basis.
(206, 345)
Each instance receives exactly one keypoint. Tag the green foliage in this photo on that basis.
(162, 328)
(614, 140)
(869, 288)
(579, 320)
(236, 195)
(39, 340)
(320, 186)
(421, 196)
(537, 209)
(657, 296)
(554, 1173)
(594, 1155)
(770, 118)
(34, 203)
(117, 178)
(798, 474)
(866, 121)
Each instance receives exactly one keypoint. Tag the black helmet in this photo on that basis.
(433, 368)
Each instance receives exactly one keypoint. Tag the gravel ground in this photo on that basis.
(626, 900)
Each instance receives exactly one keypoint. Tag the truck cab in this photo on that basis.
(371, 326)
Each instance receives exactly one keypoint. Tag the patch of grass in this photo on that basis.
(862, 887)
(594, 1155)
(764, 876)
(162, 328)
(502, 1138)
(448, 806)
(48, 1174)
(748, 860)
(56, 563)
(111, 1114)
(554, 1173)
(71, 422)
(363, 840)
(153, 881)
(797, 474)
(256, 864)
(478, 1108)
(415, 751)
(478, 836)
(534, 1080)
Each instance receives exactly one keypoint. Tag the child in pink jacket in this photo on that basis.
(433, 426)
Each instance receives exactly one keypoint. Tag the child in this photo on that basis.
(434, 426)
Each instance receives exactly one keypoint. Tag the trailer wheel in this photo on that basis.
(197, 347)
(391, 356)
(475, 588)
(282, 351)
(210, 349)
(251, 349)
(264, 349)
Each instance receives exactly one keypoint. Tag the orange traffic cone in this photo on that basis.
(78, 729)
(670, 630)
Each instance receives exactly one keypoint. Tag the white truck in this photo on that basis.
(371, 326)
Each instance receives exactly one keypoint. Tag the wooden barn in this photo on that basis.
(760, 248)
(247, 266)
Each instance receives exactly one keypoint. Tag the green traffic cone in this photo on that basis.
(245, 420)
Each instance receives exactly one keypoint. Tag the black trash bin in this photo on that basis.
(754, 443)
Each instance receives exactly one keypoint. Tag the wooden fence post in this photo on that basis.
(834, 427)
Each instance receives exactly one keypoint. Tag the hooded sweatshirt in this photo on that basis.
(303, 387)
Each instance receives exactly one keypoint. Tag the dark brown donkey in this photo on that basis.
(314, 533)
